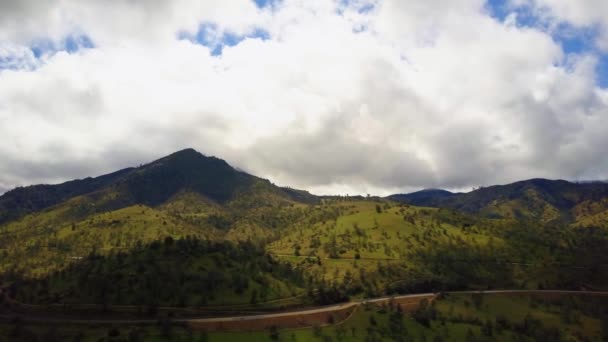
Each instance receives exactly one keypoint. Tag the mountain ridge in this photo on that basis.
(210, 234)
(538, 198)
(156, 182)
(150, 184)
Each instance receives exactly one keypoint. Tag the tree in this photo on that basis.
(477, 299)
(254, 297)
(340, 332)
(316, 330)
(487, 328)
(605, 328)
(166, 328)
(470, 336)
(203, 337)
(113, 332)
(502, 323)
(274, 333)
(134, 335)
(396, 325)
(424, 313)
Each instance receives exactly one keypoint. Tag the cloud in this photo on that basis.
(581, 13)
(346, 96)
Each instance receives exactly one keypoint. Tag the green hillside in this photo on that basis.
(184, 272)
(24, 200)
(159, 231)
(535, 199)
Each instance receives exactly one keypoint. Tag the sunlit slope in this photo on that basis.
(55, 237)
(376, 246)
(169, 272)
(183, 194)
(24, 200)
(535, 199)
(517, 236)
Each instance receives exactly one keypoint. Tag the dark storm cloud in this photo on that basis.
(334, 154)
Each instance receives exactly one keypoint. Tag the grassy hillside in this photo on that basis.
(336, 247)
(24, 200)
(536, 199)
(370, 248)
(426, 197)
(342, 248)
(183, 272)
(184, 194)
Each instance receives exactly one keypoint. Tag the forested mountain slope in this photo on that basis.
(190, 230)
(537, 199)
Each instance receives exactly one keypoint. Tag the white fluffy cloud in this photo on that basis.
(580, 13)
(358, 97)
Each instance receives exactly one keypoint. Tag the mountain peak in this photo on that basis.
(188, 169)
(186, 152)
(190, 157)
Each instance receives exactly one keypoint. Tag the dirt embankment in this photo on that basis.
(291, 320)
(408, 304)
(331, 315)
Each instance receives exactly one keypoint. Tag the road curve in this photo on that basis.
(325, 309)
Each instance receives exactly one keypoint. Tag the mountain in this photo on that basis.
(540, 199)
(191, 230)
(151, 184)
(425, 198)
(24, 200)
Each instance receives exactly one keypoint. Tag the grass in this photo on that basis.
(364, 235)
(457, 317)
(362, 247)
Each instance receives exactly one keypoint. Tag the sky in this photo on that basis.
(331, 96)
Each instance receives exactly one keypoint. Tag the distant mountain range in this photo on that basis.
(218, 182)
(540, 199)
(191, 230)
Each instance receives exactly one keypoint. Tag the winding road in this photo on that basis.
(299, 316)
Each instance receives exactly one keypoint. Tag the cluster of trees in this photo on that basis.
(183, 272)
(328, 293)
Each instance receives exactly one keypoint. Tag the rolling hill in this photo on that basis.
(150, 184)
(424, 198)
(190, 230)
(183, 194)
(537, 199)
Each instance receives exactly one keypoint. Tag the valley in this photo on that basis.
(189, 236)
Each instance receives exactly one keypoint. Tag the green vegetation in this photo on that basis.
(537, 199)
(189, 231)
(457, 317)
(179, 273)
(340, 249)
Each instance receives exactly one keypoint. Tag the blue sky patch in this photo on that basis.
(215, 39)
(70, 44)
(74, 43)
(602, 71)
(32, 56)
(573, 40)
(362, 7)
(266, 3)
(17, 62)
